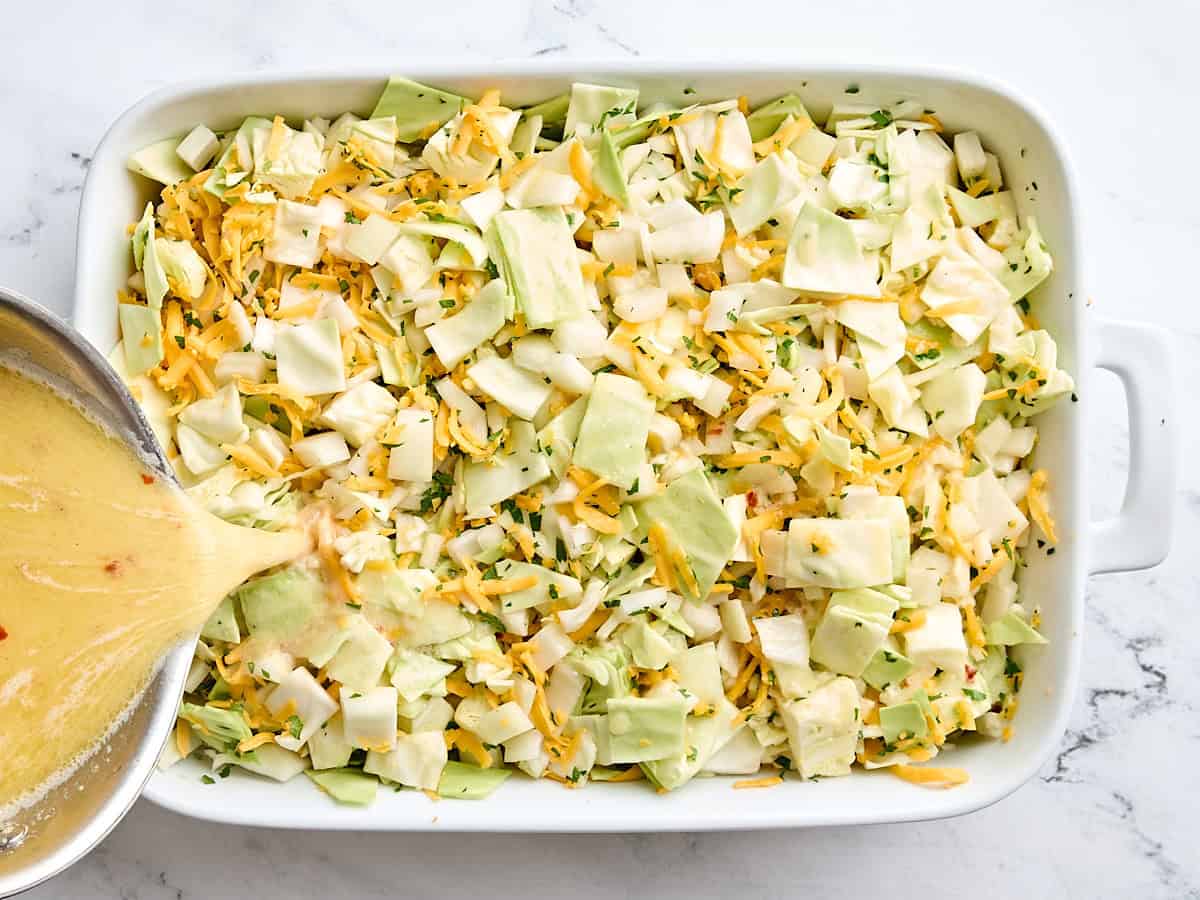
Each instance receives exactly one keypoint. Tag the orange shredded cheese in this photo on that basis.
(743, 679)
(595, 519)
(978, 187)
(467, 742)
(633, 773)
(915, 620)
(990, 571)
(183, 738)
(1039, 510)
(658, 549)
(581, 169)
(251, 459)
(588, 628)
(973, 627)
(968, 307)
(256, 741)
(764, 782)
(497, 587)
(930, 776)
(783, 137)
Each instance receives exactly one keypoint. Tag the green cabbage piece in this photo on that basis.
(607, 669)
(160, 162)
(453, 339)
(1029, 263)
(145, 258)
(518, 390)
(640, 129)
(553, 113)
(766, 119)
(903, 720)
(280, 606)
(647, 646)
(417, 107)
(772, 183)
(564, 586)
(703, 736)
(218, 182)
(222, 625)
(557, 439)
(327, 746)
(991, 669)
(1010, 629)
(461, 781)
(438, 622)
(226, 726)
(362, 655)
(538, 259)
(834, 447)
(871, 506)
(628, 580)
(947, 352)
(505, 474)
(270, 761)
(296, 166)
(855, 625)
(695, 521)
(612, 435)
(598, 104)
(597, 726)
(824, 256)
(455, 233)
(698, 671)
(348, 786)
(646, 728)
(975, 211)
(386, 596)
(414, 674)
(886, 667)
(181, 262)
(608, 173)
(309, 358)
(141, 337)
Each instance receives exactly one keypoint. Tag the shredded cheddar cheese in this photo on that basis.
(1038, 508)
(930, 776)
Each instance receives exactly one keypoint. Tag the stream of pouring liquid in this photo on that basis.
(103, 566)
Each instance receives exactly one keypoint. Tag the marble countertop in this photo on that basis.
(1109, 815)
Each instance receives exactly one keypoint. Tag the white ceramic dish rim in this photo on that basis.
(1138, 537)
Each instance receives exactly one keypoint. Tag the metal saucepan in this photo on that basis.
(45, 838)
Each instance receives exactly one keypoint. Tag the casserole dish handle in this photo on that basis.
(1139, 536)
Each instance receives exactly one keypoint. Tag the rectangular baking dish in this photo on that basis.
(1036, 170)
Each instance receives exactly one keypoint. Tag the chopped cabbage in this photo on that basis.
(639, 439)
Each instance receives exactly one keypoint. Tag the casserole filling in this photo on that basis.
(654, 441)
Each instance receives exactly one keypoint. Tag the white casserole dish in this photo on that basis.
(1035, 168)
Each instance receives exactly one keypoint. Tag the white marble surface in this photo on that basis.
(1111, 816)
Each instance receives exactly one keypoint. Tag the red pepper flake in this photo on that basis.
(114, 567)
(971, 670)
(751, 499)
(3, 633)
(147, 479)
